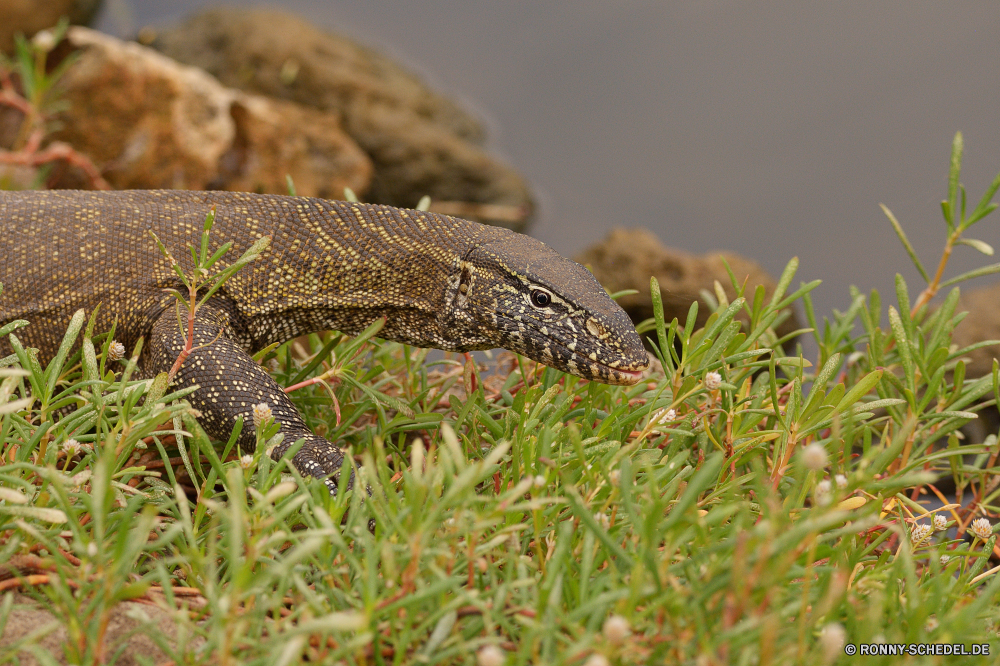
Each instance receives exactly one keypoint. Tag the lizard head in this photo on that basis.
(517, 293)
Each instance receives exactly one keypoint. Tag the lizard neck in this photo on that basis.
(341, 265)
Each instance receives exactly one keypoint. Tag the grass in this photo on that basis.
(744, 505)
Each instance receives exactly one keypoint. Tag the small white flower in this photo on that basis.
(246, 462)
(603, 520)
(44, 40)
(597, 659)
(261, 414)
(981, 528)
(116, 351)
(615, 476)
(944, 560)
(823, 492)
(712, 380)
(840, 480)
(616, 629)
(931, 624)
(832, 639)
(92, 549)
(814, 456)
(664, 416)
(940, 521)
(490, 655)
(919, 533)
(538, 481)
(71, 447)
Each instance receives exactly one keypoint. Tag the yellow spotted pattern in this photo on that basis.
(439, 281)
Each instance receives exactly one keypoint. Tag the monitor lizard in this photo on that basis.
(438, 281)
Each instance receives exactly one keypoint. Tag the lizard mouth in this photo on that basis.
(628, 377)
(618, 376)
(581, 365)
(604, 373)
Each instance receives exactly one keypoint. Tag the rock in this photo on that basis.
(982, 323)
(29, 16)
(628, 257)
(420, 142)
(275, 138)
(125, 618)
(150, 122)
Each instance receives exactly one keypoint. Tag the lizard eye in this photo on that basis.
(540, 298)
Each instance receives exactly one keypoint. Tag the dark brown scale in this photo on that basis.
(439, 281)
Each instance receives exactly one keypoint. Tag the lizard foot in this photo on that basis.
(321, 459)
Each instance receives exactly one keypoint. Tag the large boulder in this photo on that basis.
(27, 17)
(981, 324)
(420, 142)
(628, 257)
(149, 122)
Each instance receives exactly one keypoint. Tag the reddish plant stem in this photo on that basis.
(189, 344)
(932, 289)
(470, 364)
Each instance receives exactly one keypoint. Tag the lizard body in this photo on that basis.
(439, 281)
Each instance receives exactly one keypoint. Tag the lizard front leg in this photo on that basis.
(230, 383)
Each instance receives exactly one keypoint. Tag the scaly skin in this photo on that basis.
(439, 281)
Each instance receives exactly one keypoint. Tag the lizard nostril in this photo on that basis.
(596, 329)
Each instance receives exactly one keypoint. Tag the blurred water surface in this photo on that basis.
(771, 129)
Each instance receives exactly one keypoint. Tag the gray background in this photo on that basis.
(773, 129)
